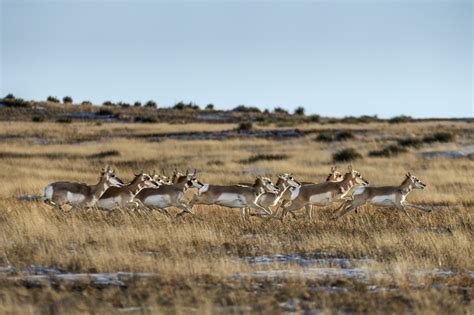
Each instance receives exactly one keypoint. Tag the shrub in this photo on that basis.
(183, 106)
(52, 99)
(137, 104)
(67, 99)
(210, 107)
(104, 154)
(358, 120)
(64, 120)
(410, 142)
(439, 137)
(108, 103)
(105, 112)
(344, 135)
(145, 119)
(314, 118)
(299, 111)
(14, 102)
(338, 136)
(123, 104)
(346, 155)
(37, 119)
(246, 109)
(86, 103)
(389, 151)
(150, 104)
(325, 137)
(245, 126)
(400, 119)
(9, 97)
(279, 110)
(264, 157)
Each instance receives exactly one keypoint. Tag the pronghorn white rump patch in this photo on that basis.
(75, 198)
(48, 192)
(203, 189)
(320, 198)
(294, 193)
(358, 191)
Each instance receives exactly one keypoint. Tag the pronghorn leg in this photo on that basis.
(417, 207)
(404, 211)
(185, 210)
(243, 212)
(257, 206)
(309, 211)
(348, 206)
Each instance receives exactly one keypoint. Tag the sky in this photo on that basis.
(335, 58)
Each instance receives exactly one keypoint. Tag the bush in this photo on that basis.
(358, 120)
(410, 142)
(389, 151)
(64, 120)
(145, 119)
(183, 106)
(9, 97)
(439, 137)
(400, 119)
(338, 136)
(108, 103)
(86, 103)
(344, 135)
(325, 137)
(299, 111)
(210, 107)
(279, 110)
(245, 126)
(150, 104)
(67, 99)
(264, 157)
(246, 109)
(346, 155)
(314, 118)
(137, 104)
(123, 104)
(105, 112)
(37, 119)
(14, 102)
(104, 154)
(52, 99)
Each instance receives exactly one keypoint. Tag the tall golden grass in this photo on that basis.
(190, 252)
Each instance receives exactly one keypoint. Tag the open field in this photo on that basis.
(367, 261)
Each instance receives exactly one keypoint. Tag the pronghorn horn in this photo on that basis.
(187, 172)
(194, 173)
(333, 169)
(350, 167)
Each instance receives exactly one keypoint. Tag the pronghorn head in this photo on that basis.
(417, 184)
(159, 179)
(266, 183)
(335, 175)
(176, 175)
(146, 180)
(288, 178)
(355, 175)
(108, 175)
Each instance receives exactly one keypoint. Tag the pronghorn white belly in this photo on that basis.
(231, 200)
(203, 189)
(75, 198)
(323, 198)
(358, 191)
(109, 203)
(383, 201)
(159, 201)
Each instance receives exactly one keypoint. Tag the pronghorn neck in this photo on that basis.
(181, 184)
(281, 183)
(135, 186)
(346, 184)
(99, 189)
(406, 186)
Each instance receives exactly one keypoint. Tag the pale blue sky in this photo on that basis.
(335, 58)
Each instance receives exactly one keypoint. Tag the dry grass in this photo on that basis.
(196, 260)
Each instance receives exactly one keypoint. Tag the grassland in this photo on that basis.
(199, 265)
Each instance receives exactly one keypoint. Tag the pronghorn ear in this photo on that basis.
(333, 169)
(350, 167)
(408, 174)
(187, 172)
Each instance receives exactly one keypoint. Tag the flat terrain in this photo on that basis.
(373, 261)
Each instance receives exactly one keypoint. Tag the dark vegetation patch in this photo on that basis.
(37, 119)
(244, 126)
(388, 151)
(440, 137)
(104, 154)
(334, 136)
(410, 142)
(400, 119)
(264, 157)
(59, 156)
(145, 119)
(64, 120)
(346, 155)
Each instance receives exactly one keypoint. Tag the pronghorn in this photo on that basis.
(170, 195)
(388, 196)
(334, 176)
(325, 193)
(119, 197)
(80, 195)
(234, 196)
(271, 199)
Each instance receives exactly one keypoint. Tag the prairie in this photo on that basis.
(371, 261)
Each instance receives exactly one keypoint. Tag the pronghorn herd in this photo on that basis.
(265, 198)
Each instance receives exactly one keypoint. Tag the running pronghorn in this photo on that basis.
(388, 196)
(325, 193)
(271, 199)
(170, 195)
(80, 195)
(334, 176)
(234, 196)
(120, 197)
